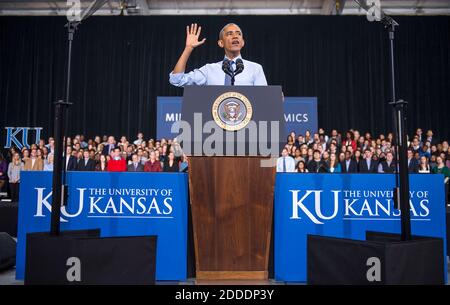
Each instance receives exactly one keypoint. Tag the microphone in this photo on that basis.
(226, 67)
(239, 66)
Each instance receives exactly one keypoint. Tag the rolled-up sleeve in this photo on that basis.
(195, 77)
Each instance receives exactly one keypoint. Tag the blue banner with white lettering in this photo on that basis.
(120, 204)
(300, 115)
(348, 205)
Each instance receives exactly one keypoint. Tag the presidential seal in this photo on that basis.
(232, 111)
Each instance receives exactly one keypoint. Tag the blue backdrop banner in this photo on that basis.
(348, 205)
(120, 204)
(300, 114)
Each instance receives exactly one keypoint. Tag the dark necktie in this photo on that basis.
(227, 77)
(284, 164)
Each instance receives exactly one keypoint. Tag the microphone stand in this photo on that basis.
(401, 190)
(59, 186)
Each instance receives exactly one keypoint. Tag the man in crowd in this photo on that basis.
(368, 165)
(349, 164)
(71, 161)
(109, 147)
(317, 165)
(135, 165)
(86, 164)
(117, 164)
(387, 166)
(285, 163)
(140, 138)
(413, 163)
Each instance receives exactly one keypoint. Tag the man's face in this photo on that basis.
(368, 154)
(348, 155)
(231, 39)
(86, 154)
(135, 158)
(415, 142)
(111, 140)
(284, 153)
(316, 155)
(410, 154)
(389, 157)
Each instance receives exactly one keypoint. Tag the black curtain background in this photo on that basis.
(121, 64)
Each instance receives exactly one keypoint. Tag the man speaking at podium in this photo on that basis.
(231, 39)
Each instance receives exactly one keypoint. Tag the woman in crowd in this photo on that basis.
(298, 157)
(39, 154)
(334, 166)
(341, 157)
(304, 151)
(184, 164)
(164, 152)
(171, 165)
(101, 166)
(308, 139)
(25, 154)
(301, 167)
(48, 163)
(440, 168)
(424, 167)
(152, 165)
(158, 154)
(14, 169)
(349, 140)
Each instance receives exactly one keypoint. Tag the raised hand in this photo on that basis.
(192, 36)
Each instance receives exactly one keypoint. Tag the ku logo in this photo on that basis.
(12, 134)
(43, 202)
(313, 210)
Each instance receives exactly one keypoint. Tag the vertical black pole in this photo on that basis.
(60, 128)
(402, 192)
(71, 27)
(56, 197)
(400, 108)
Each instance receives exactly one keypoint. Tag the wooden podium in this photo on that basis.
(232, 206)
(231, 197)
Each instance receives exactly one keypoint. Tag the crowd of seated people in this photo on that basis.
(308, 153)
(357, 153)
(96, 154)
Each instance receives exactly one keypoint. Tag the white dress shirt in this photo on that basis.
(212, 74)
(290, 164)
